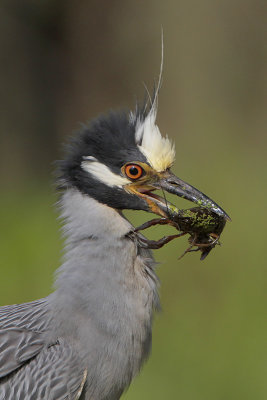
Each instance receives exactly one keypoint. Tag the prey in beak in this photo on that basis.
(204, 224)
(151, 180)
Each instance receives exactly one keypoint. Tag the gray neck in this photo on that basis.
(84, 217)
(91, 231)
(98, 256)
(106, 291)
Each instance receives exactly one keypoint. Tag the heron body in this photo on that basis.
(90, 337)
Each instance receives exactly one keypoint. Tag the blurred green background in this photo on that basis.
(63, 62)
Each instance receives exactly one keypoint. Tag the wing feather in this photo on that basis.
(16, 347)
(29, 368)
(21, 328)
(31, 316)
(56, 373)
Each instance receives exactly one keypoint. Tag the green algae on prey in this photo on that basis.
(199, 220)
(204, 227)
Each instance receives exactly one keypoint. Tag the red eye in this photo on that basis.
(134, 171)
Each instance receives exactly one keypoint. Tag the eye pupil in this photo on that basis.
(134, 171)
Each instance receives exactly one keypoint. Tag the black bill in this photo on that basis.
(173, 184)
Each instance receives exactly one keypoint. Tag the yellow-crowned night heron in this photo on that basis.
(89, 338)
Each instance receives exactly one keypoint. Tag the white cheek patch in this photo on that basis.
(103, 174)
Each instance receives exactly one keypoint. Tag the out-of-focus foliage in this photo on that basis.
(63, 62)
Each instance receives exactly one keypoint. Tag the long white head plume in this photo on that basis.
(158, 150)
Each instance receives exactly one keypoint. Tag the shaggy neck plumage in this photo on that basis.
(83, 216)
(101, 267)
(87, 226)
(94, 252)
(104, 298)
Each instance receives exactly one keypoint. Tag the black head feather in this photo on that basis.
(111, 140)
